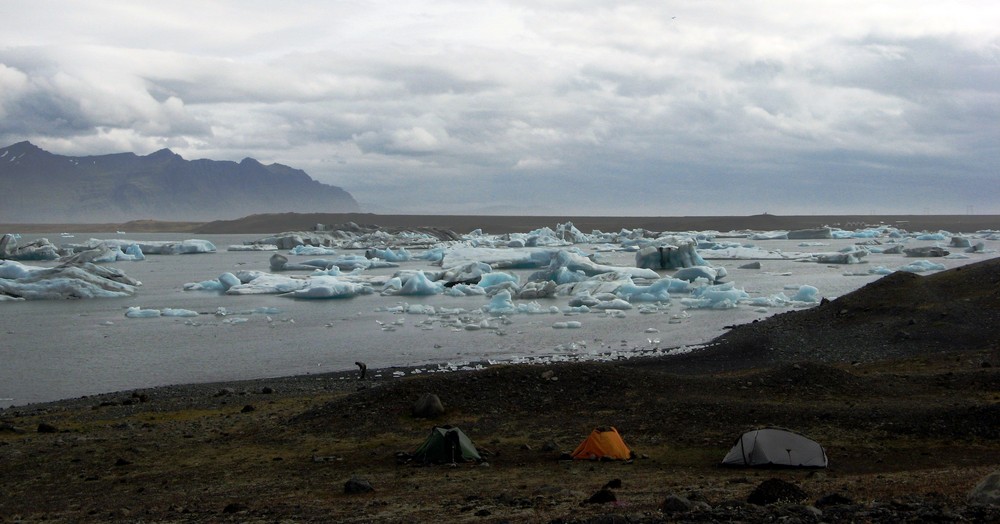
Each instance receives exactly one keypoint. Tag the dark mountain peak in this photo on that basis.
(22, 148)
(162, 185)
(163, 154)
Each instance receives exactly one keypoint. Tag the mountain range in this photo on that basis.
(40, 187)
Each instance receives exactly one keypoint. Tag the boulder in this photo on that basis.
(675, 503)
(987, 491)
(428, 406)
(356, 485)
(775, 490)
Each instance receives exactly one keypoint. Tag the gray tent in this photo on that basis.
(775, 447)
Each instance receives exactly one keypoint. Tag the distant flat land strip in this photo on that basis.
(280, 222)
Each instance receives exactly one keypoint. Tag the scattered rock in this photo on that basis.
(613, 484)
(987, 491)
(601, 497)
(235, 507)
(428, 406)
(675, 503)
(775, 490)
(833, 499)
(356, 485)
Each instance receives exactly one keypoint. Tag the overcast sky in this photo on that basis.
(583, 107)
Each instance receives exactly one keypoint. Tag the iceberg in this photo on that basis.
(500, 304)
(719, 296)
(708, 273)
(389, 255)
(37, 250)
(324, 287)
(672, 253)
(414, 284)
(921, 266)
(66, 281)
(266, 284)
(252, 247)
(312, 251)
(524, 258)
(658, 291)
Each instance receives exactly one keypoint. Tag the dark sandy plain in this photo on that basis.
(898, 380)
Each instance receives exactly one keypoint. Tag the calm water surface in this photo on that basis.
(61, 349)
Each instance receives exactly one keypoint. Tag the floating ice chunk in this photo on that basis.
(228, 280)
(658, 291)
(770, 235)
(135, 252)
(170, 312)
(312, 251)
(500, 304)
(82, 281)
(711, 274)
(848, 255)
(268, 283)
(252, 247)
(12, 270)
(941, 235)
(670, 253)
(525, 258)
(184, 247)
(323, 287)
(497, 278)
(617, 303)
(414, 284)
(137, 312)
(205, 285)
(921, 266)
(777, 300)
(389, 255)
(40, 249)
(535, 290)
(469, 273)
(465, 290)
(806, 293)
(719, 296)
(926, 251)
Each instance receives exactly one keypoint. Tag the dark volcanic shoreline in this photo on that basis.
(280, 222)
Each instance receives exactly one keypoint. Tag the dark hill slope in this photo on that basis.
(900, 315)
(41, 187)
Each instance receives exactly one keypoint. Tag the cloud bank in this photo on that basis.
(636, 108)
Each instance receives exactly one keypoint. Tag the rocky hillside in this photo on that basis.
(41, 187)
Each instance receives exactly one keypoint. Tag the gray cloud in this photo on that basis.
(631, 108)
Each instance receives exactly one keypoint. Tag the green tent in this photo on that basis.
(445, 445)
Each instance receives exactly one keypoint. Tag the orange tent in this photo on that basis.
(603, 443)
